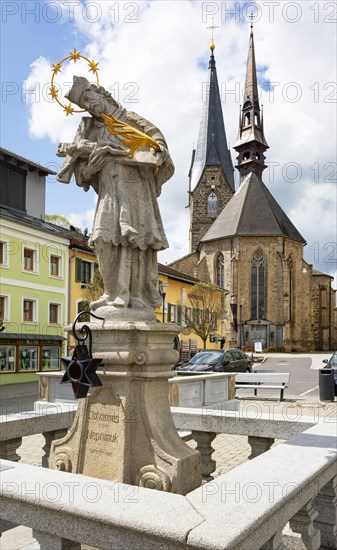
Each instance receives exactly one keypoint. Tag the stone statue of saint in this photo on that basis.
(127, 230)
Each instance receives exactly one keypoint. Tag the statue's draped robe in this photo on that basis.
(127, 213)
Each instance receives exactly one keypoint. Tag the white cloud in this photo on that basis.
(82, 220)
(154, 62)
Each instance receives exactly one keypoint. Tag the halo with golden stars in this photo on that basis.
(57, 68)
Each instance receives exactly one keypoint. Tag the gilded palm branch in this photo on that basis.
(130, 136)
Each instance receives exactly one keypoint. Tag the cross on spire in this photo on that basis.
(252, 18)
(212, 27)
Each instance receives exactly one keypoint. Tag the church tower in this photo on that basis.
(249, 247)
(211, 176)
(251, 143)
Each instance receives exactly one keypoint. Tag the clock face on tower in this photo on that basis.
(213, 179)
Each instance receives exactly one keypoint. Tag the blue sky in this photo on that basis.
(154, 56)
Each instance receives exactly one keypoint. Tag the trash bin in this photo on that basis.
(326, 385)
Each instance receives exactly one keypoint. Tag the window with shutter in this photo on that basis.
(78, 270)
(12, 186)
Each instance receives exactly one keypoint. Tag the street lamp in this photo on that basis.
(162, 292)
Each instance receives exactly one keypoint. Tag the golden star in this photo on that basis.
(93, 67)
(53, 92)
(74, 56)
(57, 68)
(68, 109)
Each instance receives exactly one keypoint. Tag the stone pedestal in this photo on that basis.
(124, 430)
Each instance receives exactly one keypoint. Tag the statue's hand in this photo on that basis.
(110, 150)
(95, 165)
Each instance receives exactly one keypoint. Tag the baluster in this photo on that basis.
(259, 445)
(53, 542)
(275, 543)
(204, 440)
(303, 522)
(326, 505)
(9, 447)
(49, 438)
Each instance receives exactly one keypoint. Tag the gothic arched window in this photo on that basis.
(258, 286)
(212, 204)
(220, 271)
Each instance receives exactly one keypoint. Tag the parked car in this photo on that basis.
(229, 360)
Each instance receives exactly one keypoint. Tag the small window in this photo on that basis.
(246, 155)
(54, 314)
(28, 259)
(55, 263)
(50, 358)
(3, 308)
(212, 204)
(172, 313)
(3, 254)
(83, 271)
(28, 311)
(29, 358)
(220, 271)
(7, 358)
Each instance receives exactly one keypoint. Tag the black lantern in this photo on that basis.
(80, 369)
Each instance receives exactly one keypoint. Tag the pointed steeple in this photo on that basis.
(212, 148)
(251, 91)
(251, 143)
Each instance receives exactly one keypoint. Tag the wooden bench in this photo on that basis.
(263, 380)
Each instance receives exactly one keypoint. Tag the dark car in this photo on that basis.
(229, 360)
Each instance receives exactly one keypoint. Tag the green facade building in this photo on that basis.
(34, 259)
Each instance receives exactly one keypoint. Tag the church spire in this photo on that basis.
(251, 143)
(211, 176)
(212, 148)
(251, 90)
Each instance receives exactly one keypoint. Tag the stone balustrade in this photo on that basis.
(203, 425)
(261, 429)
(49, 419)
(245, 509)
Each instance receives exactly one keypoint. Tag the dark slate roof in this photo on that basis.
(178, 275)
(9, 155)
(29, 336)
(30, 221)
(315, 272)
(212, 148)
(77, 239)
(252, 211)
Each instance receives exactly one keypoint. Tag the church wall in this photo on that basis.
(324, 313)
(288, 288)
(187, 264)
(301, 309)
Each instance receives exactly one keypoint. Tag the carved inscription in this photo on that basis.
(103, 443)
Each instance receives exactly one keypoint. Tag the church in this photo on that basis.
(243, 241)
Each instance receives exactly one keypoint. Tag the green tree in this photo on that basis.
(93, 290)
(56, 219)
(207, 303)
